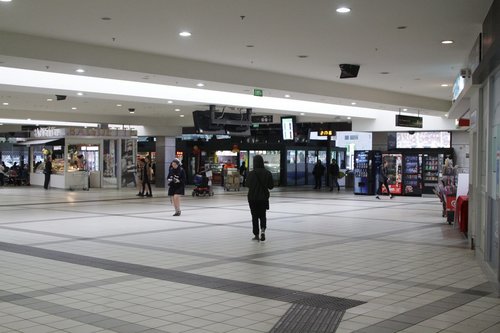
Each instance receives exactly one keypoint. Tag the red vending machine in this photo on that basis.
(395, 171)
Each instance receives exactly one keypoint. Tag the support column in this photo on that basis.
(165, 153)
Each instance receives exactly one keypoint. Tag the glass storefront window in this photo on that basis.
(271, 161)
(128, 163)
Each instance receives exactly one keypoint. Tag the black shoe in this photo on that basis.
(391, 196)
(377, 197)
(177, 213)
(331, 190)
(140, 194)
(262, 237)
(149, 195)
(338, 190)
(255, 238)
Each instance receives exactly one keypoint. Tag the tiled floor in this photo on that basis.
(107, 261)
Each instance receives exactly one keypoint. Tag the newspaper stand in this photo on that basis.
(78, 180)
(231, 179)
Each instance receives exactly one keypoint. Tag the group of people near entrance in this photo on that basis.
(333, 171)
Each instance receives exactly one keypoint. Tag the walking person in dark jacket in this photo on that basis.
(334, 173)
(383, 180)
(259, 181)
(318, 171)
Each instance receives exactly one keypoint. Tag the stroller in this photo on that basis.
(202, 186)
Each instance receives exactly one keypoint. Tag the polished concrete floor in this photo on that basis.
(108, 261)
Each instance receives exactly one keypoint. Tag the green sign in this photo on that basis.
(258, 92)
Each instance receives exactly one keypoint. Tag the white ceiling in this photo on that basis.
(140, 42)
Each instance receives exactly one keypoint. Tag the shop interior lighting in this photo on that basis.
(449, 41)
(200, 84)
(80, 70)
(185, 34)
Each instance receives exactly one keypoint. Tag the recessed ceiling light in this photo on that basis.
(49, 99)
(73, 108)
(79, 94)
(177, 110)
(343, 10)
(287, 96)
(170, 102)
(200, 84)
(132, 111)
(446, 115)
(185, 34)
(182, 116)
(5, 0)
(449, 41)
(80, 70)
(5, 103)
(118, 105)
(353, 103)
(405, 109)
(444, 85)
(29, 119)
(348, 118)
(302, 113)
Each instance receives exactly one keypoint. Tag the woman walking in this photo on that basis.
(176, 181)
(259, 181)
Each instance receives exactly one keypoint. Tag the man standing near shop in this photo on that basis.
(318, 171)
(334, 173)
(47, 172)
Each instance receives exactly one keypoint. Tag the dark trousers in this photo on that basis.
(144, 182)
(317, 182)
(258, 210)
(335, 182)
(47, 181)
(383, 183)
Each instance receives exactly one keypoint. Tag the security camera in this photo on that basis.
(61, 97)
(465, 73)
(411, 132)
(131, 110)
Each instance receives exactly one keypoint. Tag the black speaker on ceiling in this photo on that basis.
(61, 97)
(347, 71)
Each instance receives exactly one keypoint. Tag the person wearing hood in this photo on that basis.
(259, 181)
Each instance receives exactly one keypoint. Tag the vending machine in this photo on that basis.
(412, 174)
(395, 172)
(431, 165)
(366, 163)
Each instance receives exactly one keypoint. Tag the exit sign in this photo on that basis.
(258, 92)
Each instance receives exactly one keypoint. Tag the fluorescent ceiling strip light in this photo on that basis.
(68, 82)
(46, 122)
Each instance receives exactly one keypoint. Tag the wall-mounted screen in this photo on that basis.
(423, 140)
(288, 128)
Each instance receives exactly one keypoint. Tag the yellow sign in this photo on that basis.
(325, 132)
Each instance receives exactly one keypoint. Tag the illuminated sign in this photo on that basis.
(326, 132)
(409, 121)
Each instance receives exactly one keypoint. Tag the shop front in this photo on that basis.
(84, 158)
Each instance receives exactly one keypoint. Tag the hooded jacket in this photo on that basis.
(259, 181)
